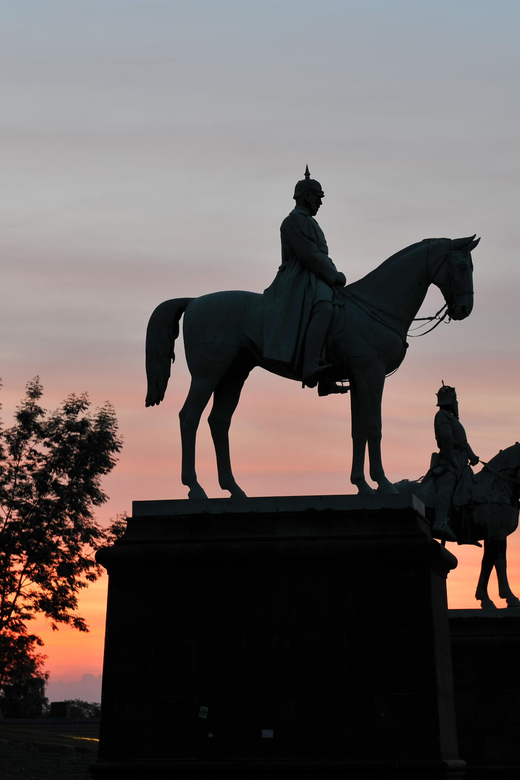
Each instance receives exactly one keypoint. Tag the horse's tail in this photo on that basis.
(163, 329)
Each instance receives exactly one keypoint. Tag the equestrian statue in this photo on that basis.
(309, 326)
(470, 508)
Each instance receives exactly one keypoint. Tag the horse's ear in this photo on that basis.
(465, 243)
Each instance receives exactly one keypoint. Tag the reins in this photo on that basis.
(442, 315)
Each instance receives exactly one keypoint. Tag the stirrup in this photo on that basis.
(328, 387)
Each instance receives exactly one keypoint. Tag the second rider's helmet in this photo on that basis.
(446, 396)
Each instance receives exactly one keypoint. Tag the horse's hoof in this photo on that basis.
(197, 493)
(488, 604)
(387, 489)
(364, 489)
(237, 493)
(485, 601)
(513, 602)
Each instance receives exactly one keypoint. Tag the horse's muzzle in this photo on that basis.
(461, 308)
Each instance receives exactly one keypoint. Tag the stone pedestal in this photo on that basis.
(486, 662)
(278, 637)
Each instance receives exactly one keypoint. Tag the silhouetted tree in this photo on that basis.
(22, 694)
(51, 466)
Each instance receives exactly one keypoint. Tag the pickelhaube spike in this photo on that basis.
(308, 185)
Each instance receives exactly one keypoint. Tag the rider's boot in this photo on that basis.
(444, 489)
(441, 530)
(328, 387)
(313, 364)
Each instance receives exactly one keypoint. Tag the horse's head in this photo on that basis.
(454, 277)
(507, 460)
(504, 470)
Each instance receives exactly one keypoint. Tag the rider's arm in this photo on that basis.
(473, 459)
(308, 252)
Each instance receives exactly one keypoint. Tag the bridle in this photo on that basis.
(500, 475)
(442, 315)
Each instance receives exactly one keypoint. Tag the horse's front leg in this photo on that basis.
(369, 382)
(504, 591)
(488, 561)
(359, 443)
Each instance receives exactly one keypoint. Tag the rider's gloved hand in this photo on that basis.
(341, 279)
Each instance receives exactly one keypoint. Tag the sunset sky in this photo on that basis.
(150, 150)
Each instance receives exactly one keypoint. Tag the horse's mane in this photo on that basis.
(392, 261)
(383, 289)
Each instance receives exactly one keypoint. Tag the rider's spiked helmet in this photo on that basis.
(307, 185)
(446, 396)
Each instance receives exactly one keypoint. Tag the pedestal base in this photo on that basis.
(284, 637)
(307, 769)
(486, 649)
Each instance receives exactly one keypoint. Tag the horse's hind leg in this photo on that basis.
(504, 591)
(225, 401)
(200, 392)
(488, 561)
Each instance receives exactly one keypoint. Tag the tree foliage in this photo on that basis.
(51, 465)
(22, 694)
(78, 708)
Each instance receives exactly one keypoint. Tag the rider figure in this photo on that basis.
(452, 476)
(298, 304)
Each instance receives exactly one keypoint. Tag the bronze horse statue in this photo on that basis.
(490, 518)
(366, 342)
(494, 520)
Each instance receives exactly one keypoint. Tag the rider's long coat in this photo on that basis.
(454, 454)
(305, 277)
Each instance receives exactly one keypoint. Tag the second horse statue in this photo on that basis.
(366, 342)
